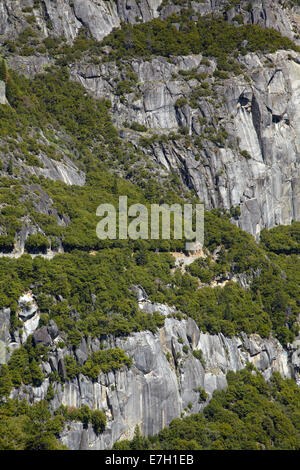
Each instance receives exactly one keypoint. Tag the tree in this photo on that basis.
(37, 376)
(98, 421)
(5, 381)
(37, 243)
(38, 429)
(13, 93)
(10, 168)
(3, 71)
(138, 442)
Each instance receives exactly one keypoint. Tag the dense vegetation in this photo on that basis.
(271, 302)
(34, 427)
(86, 289)
(181, 35)
(250, 414)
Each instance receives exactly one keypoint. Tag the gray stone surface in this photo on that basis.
(4, 334)
(263, 113)
(3, 99)
(260, 116)
(162, 380)
(41, 336)
(101, 16)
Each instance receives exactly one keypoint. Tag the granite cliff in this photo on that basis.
(257, 111)
(233, 139)
(162, 383)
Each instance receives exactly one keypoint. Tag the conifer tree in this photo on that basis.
(3, 71)
(10, 169)
(5, 381)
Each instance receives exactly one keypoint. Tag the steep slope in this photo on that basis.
(172, 106)
(239, 113)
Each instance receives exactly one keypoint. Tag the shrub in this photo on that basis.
(37, 243)
(138, 127)
(98, 421)
(246, 154)
(7, 243)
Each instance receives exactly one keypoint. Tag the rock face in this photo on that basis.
(29, 316)
(67, 18)
(259, 113)
(62, 18)
(3, 99)
(4, 334)
(161, 385)
(65, 171)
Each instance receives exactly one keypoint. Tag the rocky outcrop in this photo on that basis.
(4, 334)
(29, 316)
(163, 381)
(259, 113)
(62, 18)
(3, 99)
(168, 369)
(65, 171)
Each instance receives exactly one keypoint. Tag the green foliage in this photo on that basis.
(94, 288)
(181, 102)
(246, 154)
(282, 240)
(212, 37)
(35, 427)
(138, 127)
(98, 421)
(5, 381)
(138, 442)
(37, 243)
(40, 429)
(23, 366)
(105, 361)
(85, 415)
(198, 354)
(202, 394)
(97, 287)
(6, 243)
(3, 71)
(72, 367)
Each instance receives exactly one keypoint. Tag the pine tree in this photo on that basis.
(36, 373)
(12, 92)
(10, 169)
(5, 381)
(3, 71)
(37, 428)
(114, 188)
(137, 442)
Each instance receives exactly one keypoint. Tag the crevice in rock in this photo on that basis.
(256, 119)
(44, 10)
(272, 78)
(243, 101)
(276, 118)
(109, 405)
